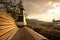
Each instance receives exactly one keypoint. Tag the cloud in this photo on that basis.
(38, 9)
(35, 6)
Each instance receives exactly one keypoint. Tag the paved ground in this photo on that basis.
(25, 33)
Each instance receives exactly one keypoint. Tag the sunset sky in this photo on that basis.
(44, 10)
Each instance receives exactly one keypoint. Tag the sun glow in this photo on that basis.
(55, 11)
(50, 14)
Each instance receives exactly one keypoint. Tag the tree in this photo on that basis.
(10, 8)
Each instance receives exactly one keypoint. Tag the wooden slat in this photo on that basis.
(5, 27)
(11, 36)
(35, 34)
(25, 33)
(7, 24)
(8, 35)
(2, 32)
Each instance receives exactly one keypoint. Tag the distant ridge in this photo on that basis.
(34, 22)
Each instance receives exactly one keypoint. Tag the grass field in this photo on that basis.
(52, 34)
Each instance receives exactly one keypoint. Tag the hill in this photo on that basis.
(35, 22)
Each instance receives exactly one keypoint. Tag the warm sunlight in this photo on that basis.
(53, 12)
